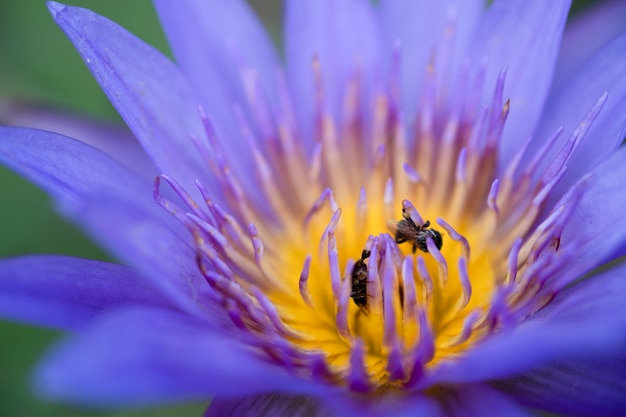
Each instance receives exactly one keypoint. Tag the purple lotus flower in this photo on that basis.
(397, 223)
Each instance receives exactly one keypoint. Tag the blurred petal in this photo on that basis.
(592, 387)
(587, 32)
(66, 292)
(592, 384)
(597, 229)
(420, 26)
(116, 141)
(216, 45)
(568, 106)
(160, 252)
(524, 36)
(158, 357)
(481, 400)
(585, 321)
(266, 405)
(70, 171)
(111, 203)
(145, 87)
(318, 29)
(392, 404)
(213, 42)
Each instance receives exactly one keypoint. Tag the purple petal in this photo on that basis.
(344, 35)
(568, 106)
(597, 228)
(113, 140)
(146, 88)
(70, 171)
(111, 203)
(216, 44)
(391, 404)
(153, 356)
(587, 32)
(420, 27)
(266, 405)
(591, 385)
(68, 292)
(479, 401)
(136, 237)
(524, 36)
(586, 320)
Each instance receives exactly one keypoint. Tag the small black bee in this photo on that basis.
(359, 280)
(408, 231)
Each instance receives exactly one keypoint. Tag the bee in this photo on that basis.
(408, 231)
(359, 280)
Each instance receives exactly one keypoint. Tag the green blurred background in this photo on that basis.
(39, 65)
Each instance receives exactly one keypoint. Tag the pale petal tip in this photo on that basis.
(55, 7)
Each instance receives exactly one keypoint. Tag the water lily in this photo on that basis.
(397, 222)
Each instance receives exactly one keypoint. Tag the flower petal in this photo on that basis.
(158, 357)
(587, 32)
(567, 107)
(66, 292)
(524, 36)
(266, 405)
(420, 26)
(590, 385)
(584, 321)
(218, 45)
(317, 29)
(597, 228)
(111, 203)
(116, 141)
(71, 171)
(146, 88)
(481, 400)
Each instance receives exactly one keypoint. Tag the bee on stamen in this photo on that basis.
(407, 230)
(359, 280)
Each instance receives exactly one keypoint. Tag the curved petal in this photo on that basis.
(524, 36)
(158, 357)
(344, 36)
(481, 400)
(69, 293)
(586, 321)
(568, 106)
(587, 32)
(391, 404)
(597, 228)
(420, 27)
(116, 141)
(266, 405)
(218, 46)
(111, 203)
(146, 88)
(591, 385)
(70, 171)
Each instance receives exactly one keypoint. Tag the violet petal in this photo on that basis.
(420, 26)
(597, 228)
(146, 88)
(68, 293)
(524, 36)
(568, 106)
(586, 33)
(158, 357)
(266, 405)
(343, 55)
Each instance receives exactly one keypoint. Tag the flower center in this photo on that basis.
(382, 249)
